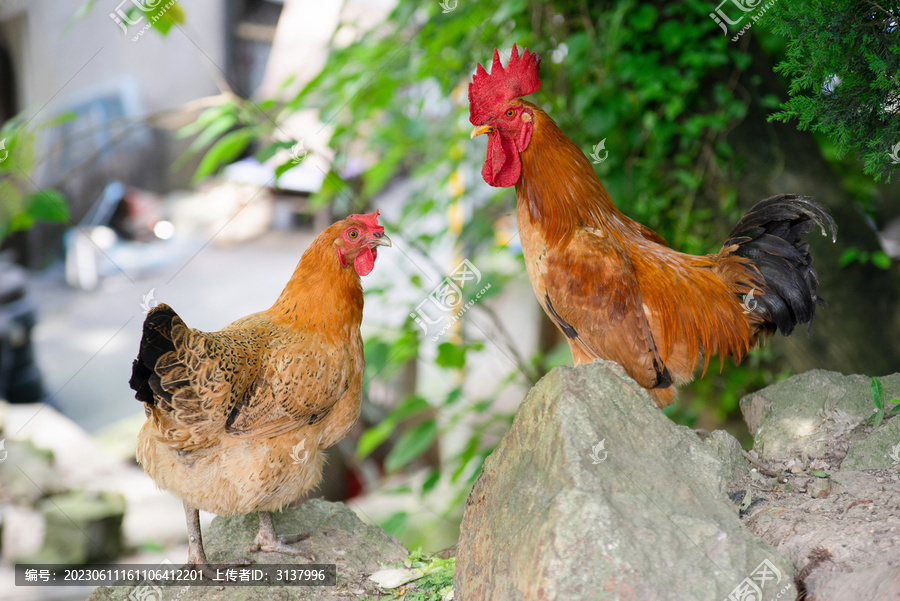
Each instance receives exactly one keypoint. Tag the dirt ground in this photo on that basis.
(847, 521)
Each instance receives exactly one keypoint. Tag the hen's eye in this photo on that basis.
(510, 113)
(352, 234)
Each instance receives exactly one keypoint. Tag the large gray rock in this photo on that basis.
(337, 536)
(556, 516)
(808, 414)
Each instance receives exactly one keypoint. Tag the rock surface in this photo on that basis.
(556, 515)
(336, 536)
(879, 450)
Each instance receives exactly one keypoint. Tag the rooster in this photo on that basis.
(613, 286)
(237, 419)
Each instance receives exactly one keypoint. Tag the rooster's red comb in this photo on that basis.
(487, 93)
(370, 220)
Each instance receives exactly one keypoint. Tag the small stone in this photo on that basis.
(819, 488)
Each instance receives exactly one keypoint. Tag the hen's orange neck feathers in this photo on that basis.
(321, 293)
(561, 189)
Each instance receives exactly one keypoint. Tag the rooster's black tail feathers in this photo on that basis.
(770, 236)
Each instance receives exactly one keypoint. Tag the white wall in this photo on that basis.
(60, 62)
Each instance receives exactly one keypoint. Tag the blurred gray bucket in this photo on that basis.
(20, 379)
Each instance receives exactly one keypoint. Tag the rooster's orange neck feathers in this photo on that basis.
(560, 187)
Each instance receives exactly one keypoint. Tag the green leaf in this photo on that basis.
(453, 396)
(849, 255)
(83, 10)
(431, 481)
(264, 154)
(877, 393)
(224, 151)
(215, 129)
(451, 355)
(376, 435)
(21, 222)
(60, 119)
(746, 502)
(372, 438)
(881, 260)
(818, 473)
(48, 205)
(285, 167)
(395, 525)
(411, 445)
(643, 18)
(166, 16)
(411, 406)
(466, 456)
(204, 119)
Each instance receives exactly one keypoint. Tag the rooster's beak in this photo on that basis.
(480, 129)
(379, 240)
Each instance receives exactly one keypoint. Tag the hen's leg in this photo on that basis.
(196, 554)
(267, 541)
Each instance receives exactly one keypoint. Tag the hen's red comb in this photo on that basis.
(370, 220)
(489, 92)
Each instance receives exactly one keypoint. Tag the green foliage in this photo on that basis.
(432, 577)
(411, 444)
(20, 205)
(878, 400)
(842, 59)
(436, 584)
(878, 258)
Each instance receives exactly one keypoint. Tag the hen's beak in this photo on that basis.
(480, 129)
(379, 240)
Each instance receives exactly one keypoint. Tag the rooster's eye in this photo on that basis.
(352, 234)
(510, 113)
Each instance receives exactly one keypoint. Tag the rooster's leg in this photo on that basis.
(267, 541)
(196, 554)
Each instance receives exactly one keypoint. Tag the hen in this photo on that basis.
(237, 419)
(613, 286)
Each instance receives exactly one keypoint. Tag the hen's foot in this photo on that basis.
(267, 541)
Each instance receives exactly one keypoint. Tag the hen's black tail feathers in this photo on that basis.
(156, 341)
(770, 236)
